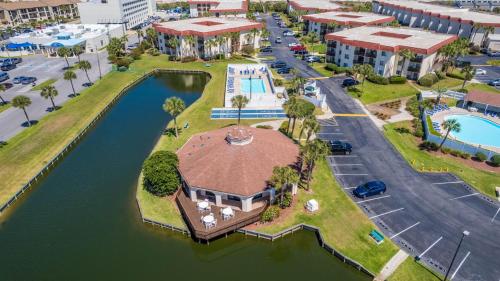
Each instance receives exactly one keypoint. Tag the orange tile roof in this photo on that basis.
(483, 97)
(208, 161)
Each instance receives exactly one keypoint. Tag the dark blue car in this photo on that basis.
(369, 189)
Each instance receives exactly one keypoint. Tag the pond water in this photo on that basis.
(82, 222)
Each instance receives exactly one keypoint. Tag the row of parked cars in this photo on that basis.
(9, 63)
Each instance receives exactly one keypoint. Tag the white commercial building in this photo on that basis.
(381, 46)
(203, 8)
(91, 37)
(207, 37)
(128, 12)
(328, 22)
(312, 6)
(442, 19)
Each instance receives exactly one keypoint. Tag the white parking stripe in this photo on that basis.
(404, 230)
(352, 187)
(460, 265)
(373, 199)
(447, 182)
(498, 211)
(330, 133)
(346, 156)
(430, 247)
(347, 164)
(351, 174)
(468, 195)
(386, 213)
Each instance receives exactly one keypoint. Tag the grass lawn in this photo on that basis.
(406, 144)
(320, 68)
(343, 225)
(376, 93)
(4, 107)
(493, 62)
(411, 270)
(482, 87)
(45, 83)
(316, 48)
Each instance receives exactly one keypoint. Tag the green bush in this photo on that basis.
(455, 75)
(287, 200)
(481, 156)
(412, 106)
(428, 80)
(429, 146)
(402, 130)
(270, 214)
(465, 155)
(464, 90)
(495, 160)
(278, 82)
(160, 175)
(397, 80)
(268, 127)
(377, 79)
(248, 50)
(456, 153)
(188, 59)
(440, 75)
(445, 150)
(124, 61)
(136, 53)
(418, 129)
(336, 69)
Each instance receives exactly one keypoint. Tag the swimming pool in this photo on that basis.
(477, 130)
(254, 86)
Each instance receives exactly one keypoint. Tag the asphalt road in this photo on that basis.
(479, 62)
(424, 214)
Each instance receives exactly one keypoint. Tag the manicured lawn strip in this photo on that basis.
(375, 93)
(4, 107)
(431, 128)
(493, 62)
(482, 87)
(198, 116)
(45, 83)
(343, 225)
(407, 145)
(410, 270)
(320, 68)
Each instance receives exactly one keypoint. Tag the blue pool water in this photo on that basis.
(254, 85)
(477, 130)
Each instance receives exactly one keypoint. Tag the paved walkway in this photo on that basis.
(392, 265)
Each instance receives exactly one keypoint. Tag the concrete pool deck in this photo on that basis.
(237, 72)
(440, 118)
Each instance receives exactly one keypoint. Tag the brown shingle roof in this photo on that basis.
(208, 161)
(484, 97)
(34, 4)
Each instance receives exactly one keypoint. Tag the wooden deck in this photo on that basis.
(192, 216)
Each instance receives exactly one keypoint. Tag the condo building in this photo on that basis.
(442, 19)
(130, 13)
(329, 22)
(14, 13)
(381, 46)
(207, 37)
(312, 6)
(217, 8)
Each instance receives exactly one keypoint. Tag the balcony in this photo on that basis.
(417, 59)
(371, 54)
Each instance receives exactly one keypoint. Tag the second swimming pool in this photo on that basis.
(254, 86)
(477, 130)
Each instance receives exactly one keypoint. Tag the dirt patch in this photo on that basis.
(386, 109)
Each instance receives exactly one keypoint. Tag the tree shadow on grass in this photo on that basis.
(31, 122)
(171, 132)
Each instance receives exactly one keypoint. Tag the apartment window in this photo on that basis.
(345, 64)
(346, 56)
(381, 72)
(384, 53)
(347, 47)
(381, 63)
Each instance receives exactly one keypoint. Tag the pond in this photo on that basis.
(82, 223)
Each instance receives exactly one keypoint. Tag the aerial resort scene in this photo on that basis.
(246, 139)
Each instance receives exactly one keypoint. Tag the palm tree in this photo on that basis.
(70, 75)
(239, 102)
(77, 50)
(365, 70)
(282, 178)
(468, 72)
(331, 27)
(487, 31)
(49, 92)
(450, 125)
(212, 43)
(220, 41)
(173, 43)
(189, 39)
(312, 152)
(227, 37)
(174, 106)
(310, 126)
(265, 33)
(291, 111)
(140, 34)
(254, 32)
(22, 102)
(85, 66)
(64, 52)
(407, 55)
(2, 89)
(151, 33)
(313, 39)
(440, 91)
(476, 26)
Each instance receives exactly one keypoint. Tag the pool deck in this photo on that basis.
(269, 99)
(440, 117)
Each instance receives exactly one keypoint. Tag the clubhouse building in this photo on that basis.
(328, 22)
(229, 169)
(380, 47)
(441, 19)
(217, 8)
(207, 37)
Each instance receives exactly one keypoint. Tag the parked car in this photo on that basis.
(284, 70)
(28, 80)
(301, 52)
(293, 44)
(348, 82)
(267, 49)
(278, 40)
(297, 47)
(494, 83)
(288, 33)
(18, 79)
(16, 60)
(493, 54)
(7, 85)
(311, 59)
(278, 64)
(7, 66)
(282, 25)
(87, 84)
(369, 189)
(480, 71)
(340, 147)
(4, 76)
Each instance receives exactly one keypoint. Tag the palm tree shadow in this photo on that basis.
(31, 122)
(171, 132)
(51, 109)
(73, 95)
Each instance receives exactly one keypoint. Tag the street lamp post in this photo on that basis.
(465, 233)
(98, 63)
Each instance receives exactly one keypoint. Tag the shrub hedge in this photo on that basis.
(270, 214)
(397, 80)
(336, 69)
(495, 160)
(428, 80)
(481, 156)
(377, 79)
(160, 175)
